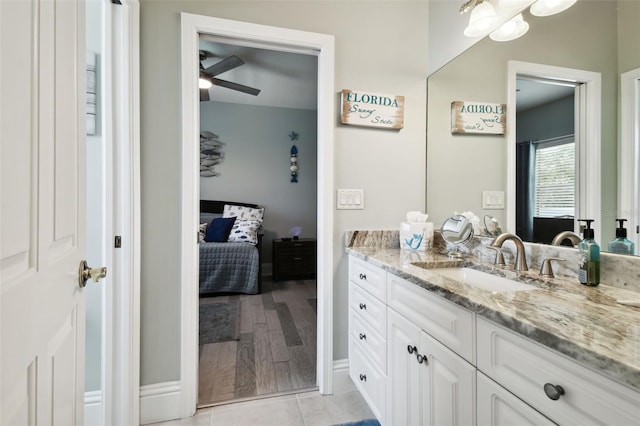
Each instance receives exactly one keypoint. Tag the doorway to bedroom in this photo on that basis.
(259, 150)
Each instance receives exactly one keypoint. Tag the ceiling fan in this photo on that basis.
(209, 74)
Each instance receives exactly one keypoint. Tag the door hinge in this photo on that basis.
(118, 241)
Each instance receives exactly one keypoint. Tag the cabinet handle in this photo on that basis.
(363, 336)
(553, 391)
(297, 258)
(363, 276)
(363, 306)
(422, 359)
(363, 377)
(412, 349)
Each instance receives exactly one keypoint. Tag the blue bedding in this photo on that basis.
(228, 267)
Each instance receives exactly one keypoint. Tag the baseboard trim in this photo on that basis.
(160, 402)
(93, 409)
(340, 365)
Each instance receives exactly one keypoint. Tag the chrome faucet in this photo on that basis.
(521, 257)
(566, 235)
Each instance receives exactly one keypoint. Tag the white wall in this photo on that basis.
(381, 46)
(256, 165)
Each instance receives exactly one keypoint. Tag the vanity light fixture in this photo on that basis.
(511, 30)
(483, 16)
(550, 7)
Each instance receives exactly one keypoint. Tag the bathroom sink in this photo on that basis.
(482, 280)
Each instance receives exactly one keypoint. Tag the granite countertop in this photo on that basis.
(584, 323)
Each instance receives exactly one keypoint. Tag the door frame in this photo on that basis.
(274, 38)
(629, 152)
(588, 135)
(120, 381)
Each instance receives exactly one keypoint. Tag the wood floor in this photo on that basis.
(277, 347)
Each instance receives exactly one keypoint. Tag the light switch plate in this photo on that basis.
(350, 199)
(493, 200)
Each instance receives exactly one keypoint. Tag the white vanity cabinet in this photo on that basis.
(427, 383)
(557, 387)
(367, 333)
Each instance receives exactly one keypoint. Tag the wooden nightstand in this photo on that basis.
(294, 259)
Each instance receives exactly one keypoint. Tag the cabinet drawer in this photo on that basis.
(369, 380)
(369, 277)
(368, 340)
(499, 407)
(449, 323)
(370, 309)
(524, 367)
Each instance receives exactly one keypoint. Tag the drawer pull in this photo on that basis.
(363, 306)
(297, 258)
(412, 349)
(363, 336)
(363, 277)
(553, 391)
(363, 377)
(422, 359)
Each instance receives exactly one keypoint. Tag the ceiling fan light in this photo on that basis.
(482, 18)
(511, 30)
(203, 83)
(550, 7)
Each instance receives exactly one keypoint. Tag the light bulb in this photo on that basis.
(550, 7)
(203, 83)
(510, 30)
(483, 16)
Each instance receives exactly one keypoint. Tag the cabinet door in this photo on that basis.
(447, 386)
(499, 407)
(403, 402)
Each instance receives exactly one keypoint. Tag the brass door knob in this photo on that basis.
(84, 273)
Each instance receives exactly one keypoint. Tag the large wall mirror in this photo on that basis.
(601, 37)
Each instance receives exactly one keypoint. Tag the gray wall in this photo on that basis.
(550, 120)
(381, 46)
(256, 164)
(96, 245)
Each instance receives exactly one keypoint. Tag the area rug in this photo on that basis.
(219, 322)
(368, 422)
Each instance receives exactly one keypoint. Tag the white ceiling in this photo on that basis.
(533, 93)
(287, 80)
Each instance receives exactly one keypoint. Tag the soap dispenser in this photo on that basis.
(620, 244)
(589, 252)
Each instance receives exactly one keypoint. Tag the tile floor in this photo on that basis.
(302, 409)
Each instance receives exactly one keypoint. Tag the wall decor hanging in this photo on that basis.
(362, 108)
(478, 118)
(294, 158)
(211, 153)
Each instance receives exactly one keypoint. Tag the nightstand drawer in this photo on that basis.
(294, 259)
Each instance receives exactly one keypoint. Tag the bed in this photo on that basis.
(228, 267)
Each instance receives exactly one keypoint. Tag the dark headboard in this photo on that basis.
(215, 206)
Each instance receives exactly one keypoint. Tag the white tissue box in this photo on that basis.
(416, 236)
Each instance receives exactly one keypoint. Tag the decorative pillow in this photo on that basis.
(202, 231)
(243, 213)
(208, 217)
(218, 230)
(245, 231)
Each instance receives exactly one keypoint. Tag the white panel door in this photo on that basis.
(42, 152)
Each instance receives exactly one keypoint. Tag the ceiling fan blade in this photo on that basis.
(235, 86)
(224, 65)
(204, 95)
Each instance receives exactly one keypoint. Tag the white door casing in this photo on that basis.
(42, 127)
(273, 38)
(588, 136)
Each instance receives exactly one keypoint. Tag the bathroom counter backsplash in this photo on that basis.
(615, 270)
(584, 323)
